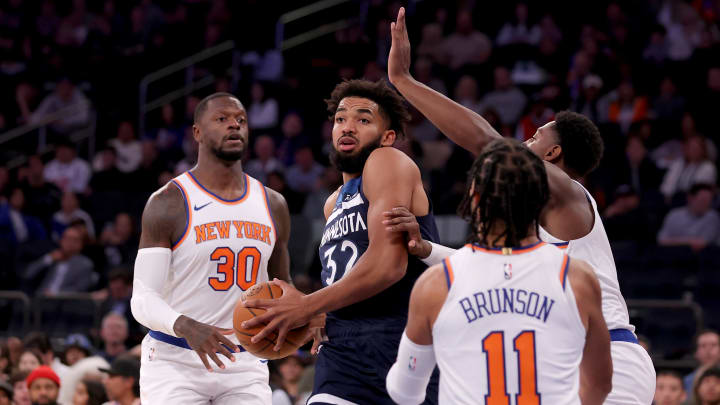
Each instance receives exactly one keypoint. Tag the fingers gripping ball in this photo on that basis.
(264, 348)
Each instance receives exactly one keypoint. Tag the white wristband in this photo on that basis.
(408, 378)
(437, 254)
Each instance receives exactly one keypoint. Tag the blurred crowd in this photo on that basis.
(648, 74)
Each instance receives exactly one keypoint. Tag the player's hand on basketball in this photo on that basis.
(282, 314)
(400, 219)
(206, 340)
(399, 59)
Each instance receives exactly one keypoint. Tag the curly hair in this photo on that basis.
(507, 184)
(391, 104)
(580, 140)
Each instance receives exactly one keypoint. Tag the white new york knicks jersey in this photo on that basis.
(224, 251)
(509, 331)
(594, 248)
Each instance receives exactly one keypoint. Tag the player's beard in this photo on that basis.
(228, 156)
(353, 163)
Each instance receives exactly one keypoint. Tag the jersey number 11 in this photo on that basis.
(494, 348)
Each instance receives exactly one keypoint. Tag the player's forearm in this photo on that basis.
(148, 307)
(462, 125)
(594, 393)
(372, 274)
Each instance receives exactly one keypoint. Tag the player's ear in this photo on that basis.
(553, 153)
(196, 133)
(388, 138)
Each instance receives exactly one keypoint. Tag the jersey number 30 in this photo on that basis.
(248, 262)
(494, 348)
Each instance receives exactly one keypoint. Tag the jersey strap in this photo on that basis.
(449, 276)
(564, 270)
(622, 335)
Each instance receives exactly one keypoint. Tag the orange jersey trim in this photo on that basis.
(564, 270)
(266, 198)
(216, 197)
(449, 274)
(188, 215)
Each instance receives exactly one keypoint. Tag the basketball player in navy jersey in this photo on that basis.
(366, 271)
(571, 147)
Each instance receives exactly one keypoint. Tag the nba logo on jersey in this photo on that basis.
(507, 269)
(412, 364)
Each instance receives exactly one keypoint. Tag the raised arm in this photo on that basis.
(163, 222)
(462, 125)
(596, 365)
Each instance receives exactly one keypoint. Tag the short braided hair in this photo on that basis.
(508, 185)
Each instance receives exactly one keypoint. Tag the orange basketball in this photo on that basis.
(264, 348)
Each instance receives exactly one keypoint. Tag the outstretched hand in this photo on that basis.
(399, 59)
(206, 340)
(401, 220)
(282, 314)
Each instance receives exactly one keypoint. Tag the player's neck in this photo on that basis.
(499, 240)
(218, 175)
(126, 399)
(349, 176)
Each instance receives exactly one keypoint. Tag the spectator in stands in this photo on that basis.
(119, 292)
(265, 160)
(5, 364)
(128, 148)
(696, 224)
(293, 138)
(42, 198)
(638, 170)
(40, 342)
(91, 249)
(44, 386)
(119, 240)
(106, 176)
(15, 226)
(707, 387)
(304, 174)
(290, 369)
(466, 93)
(87, 368)
(424, 74)
(669, 389)
(89, 392)
(113, 332)
(466, 46)
(669, 105)
(15, 348)
(707, 353)
(693, 168)
(70, 211)
(628, 108)
(170, 133)
(656, 51)
(64, 269)
(151, 166)
(30, 359)
(122, 383)
(431, 45)
(295, 200)
(21, 395)
(507, 100)
(67, 171)
(69, 102)
(704, 102)
(330, 180)
(6, 392)
(77, 347)
(538, 116)
(683, 27)
(519, 31)
(263, 113)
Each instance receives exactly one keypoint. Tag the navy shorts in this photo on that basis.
(353, 364)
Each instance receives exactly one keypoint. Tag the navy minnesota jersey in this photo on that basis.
(345, 239)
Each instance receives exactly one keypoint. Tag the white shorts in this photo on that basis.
(633, 381)
(174, 375)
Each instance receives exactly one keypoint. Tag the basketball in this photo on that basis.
(264, 348)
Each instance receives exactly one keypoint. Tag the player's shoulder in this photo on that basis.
(275, 199)
(390, 160)
(582, 276)
(431, 288)
(165, 207)
(330, 203)
(169, 194)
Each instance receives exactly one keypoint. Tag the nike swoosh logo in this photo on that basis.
(196, 208)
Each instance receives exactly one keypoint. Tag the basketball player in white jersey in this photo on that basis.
(508, 315)
(207, 236)
(571, 147)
